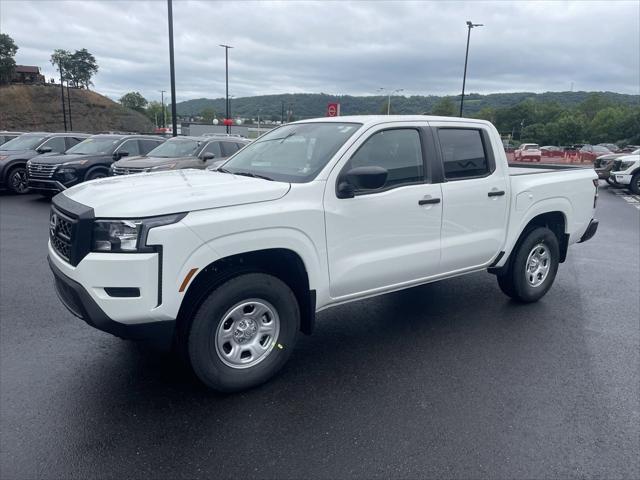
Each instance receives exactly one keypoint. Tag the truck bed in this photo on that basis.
(531, 169)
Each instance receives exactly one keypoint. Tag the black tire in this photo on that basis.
(611, 182)
(93, 174)
(634, 186)
(520, 284)
(17, 180)
(202, 340)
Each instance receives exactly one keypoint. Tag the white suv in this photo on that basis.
(627, 172)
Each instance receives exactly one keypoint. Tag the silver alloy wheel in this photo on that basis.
(538, 265)
(247, 333)
(19, 181)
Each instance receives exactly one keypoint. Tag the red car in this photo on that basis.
(588, 153)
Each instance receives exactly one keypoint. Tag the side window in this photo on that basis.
(56, 144)
(130, 146)
(71, 141)
(463, 153)
(213, 147)
(240, 145)
(229, 148)
(147, 145)
(398, 151)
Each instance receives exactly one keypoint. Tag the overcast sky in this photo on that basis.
(337, 47)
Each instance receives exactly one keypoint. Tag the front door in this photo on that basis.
(390, 236)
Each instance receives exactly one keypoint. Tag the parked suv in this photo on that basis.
(604, 164)
(181, 152)
(528, 151)
(88, 160)
(15, 153)
(626, 171)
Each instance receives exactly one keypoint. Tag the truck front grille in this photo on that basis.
(616, 165)
(127, 170)
(41, 170)
(61, 233)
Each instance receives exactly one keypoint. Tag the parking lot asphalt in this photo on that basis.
(448, 380)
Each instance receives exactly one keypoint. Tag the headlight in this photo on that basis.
(128, 235)
(72, 171)
(168, 166)
(626, 165)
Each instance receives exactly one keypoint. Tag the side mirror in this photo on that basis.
(208, 156)
(361, 178)
(45, 150)
(119, 155)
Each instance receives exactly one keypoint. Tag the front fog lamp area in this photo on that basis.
(127, 235)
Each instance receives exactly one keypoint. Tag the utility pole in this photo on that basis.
(174, 119)
(164, 115)
(282, 113)
(64, 112)
(226, 73)
(69, 104)
(470, 25)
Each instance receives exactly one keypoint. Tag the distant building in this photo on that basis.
(27, 74)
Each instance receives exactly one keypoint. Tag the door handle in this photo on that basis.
(496, 193)
(428, 201)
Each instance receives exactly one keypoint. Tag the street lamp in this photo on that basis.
(226, 67)
(164, 115)
(470, 25)
(172, 71)
(382, 89)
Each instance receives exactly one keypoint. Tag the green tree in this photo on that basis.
(487, 113)
(570, 128)
(592, 105)
(208, 114)
(8, 50)
(154, 113)
(444, 108)
(61, 59)
(134, 101)
(82, 68)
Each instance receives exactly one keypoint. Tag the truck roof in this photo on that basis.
(375, 119)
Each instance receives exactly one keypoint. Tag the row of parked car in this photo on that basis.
(578, 153)
(49, 163)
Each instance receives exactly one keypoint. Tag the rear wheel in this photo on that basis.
(243, 332)
(533, 267)
(634, 186)
(17, 180)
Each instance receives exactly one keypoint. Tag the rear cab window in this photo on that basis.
(465, 153)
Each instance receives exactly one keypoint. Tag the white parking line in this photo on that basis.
(633, 200)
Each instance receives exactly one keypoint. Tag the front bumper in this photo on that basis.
(603, 173)
(590, 231)
(38, 185)
(621, 178)
(83, 305)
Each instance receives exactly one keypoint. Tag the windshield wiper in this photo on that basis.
(251, 174)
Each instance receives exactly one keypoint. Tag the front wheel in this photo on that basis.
(94, 174)
(533, 267)
(634, 186)
(243, 332)
(17, 180)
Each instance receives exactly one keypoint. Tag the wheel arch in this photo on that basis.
(283, 263)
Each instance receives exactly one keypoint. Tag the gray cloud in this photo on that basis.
(338, 47)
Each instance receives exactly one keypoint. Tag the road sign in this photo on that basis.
(333, 109)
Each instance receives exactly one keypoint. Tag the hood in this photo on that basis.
(57, 159)
(173, 191)
(148, 162)
(17, 154)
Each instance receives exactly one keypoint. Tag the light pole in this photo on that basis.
(382, 89)
(64, 111)
(164, 115)
(470, 25)
(69, 105)
(226, 69)
(174, 119)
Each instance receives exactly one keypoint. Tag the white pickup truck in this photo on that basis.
(232, 264)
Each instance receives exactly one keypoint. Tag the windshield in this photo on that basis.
(94, 146)
(292, 153)
(24, 142)
(176, 147)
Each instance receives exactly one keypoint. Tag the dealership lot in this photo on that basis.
(446, 380)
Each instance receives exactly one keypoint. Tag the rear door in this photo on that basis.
(474, 195)
(390, 236)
